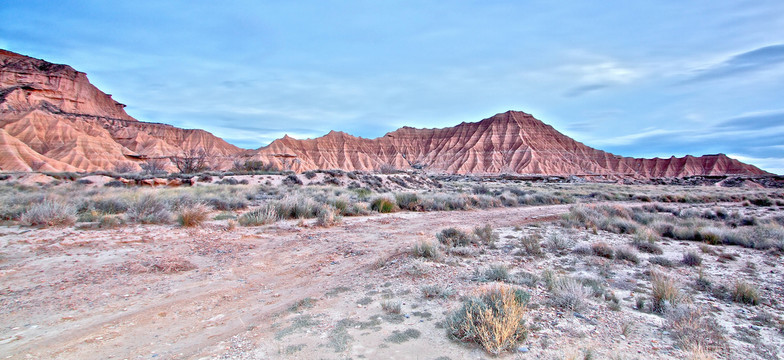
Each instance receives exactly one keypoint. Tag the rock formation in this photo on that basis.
(53, 119)
(67, 124)
(511, 142)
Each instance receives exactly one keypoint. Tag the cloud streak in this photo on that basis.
(760, 59)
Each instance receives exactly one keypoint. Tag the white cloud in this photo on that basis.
(771, 164)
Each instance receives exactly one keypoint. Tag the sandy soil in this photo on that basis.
(293, 290)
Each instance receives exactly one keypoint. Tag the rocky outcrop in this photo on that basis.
(511, 142)
(70, 125)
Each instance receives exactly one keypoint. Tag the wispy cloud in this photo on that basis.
(751, 61)
(598, 76)
(755, 121)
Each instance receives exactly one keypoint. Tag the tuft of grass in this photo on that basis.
(305, 303)
(486, 235)
(494, 319)
(49, 213)
(426, 249)
(496, 272)
(745, 293)
(192, 216)
(664, 292)
(266, 214)
(569, 293)
(691, 258)
(602, 249)
(627, 253)
(327, 216)
(559, 243)
(693, 328)
(399, 337)
(392, 306)
(531, 245)
(148, 209)
(452, 237)
(436, 291)
(661, 261)
(383, 205)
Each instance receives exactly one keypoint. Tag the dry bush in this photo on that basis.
(691, 258)
(664, 292)
(392, 306)
(602, 249)
(486, 235)
(745, 293)
(531, 245)
(328, 216)
(148, 209)
(694, 328)
(383, 205)
(49, 213)
(627, 253)
(496, 272)
(494, 318)
(569, 293)
(266, 214)
(453, 237)
(426, 249)
(192, 216)
(436, 291)
(559, 243)
(166, 263)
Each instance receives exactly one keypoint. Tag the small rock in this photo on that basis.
(523, 349)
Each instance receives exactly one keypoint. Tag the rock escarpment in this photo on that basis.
(511, 142)
(67, 124)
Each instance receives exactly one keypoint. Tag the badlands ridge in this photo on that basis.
(53, 119)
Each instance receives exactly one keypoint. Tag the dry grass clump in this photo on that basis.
(192, 216)
(266, 214)
(167, 264)
(49, 213)
(453, 237)
(426, 249)
(436, 291)
(496, 272)
(148, 209)
(745, 293)
(602, 249)
(627, 253)
(383, 205)
(328, 216)
(559, 243)
(409, 201)
(694, 329)
(664, 292)
(531, 245)
(392, 306)
(494, 318)
(645, 240)
(691, 258)
(486, 235)
(569, 293)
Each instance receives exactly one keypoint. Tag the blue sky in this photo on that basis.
(636, 78)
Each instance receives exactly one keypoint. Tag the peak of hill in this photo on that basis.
(53, 119)
(510, 142)
(68, 124)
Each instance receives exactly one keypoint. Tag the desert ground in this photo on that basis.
(266, 267)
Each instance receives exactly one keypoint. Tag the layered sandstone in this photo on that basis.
(70, 125)
(511, 142)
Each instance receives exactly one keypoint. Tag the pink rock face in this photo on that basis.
(511, 142)
(68, 124)
(53, 119)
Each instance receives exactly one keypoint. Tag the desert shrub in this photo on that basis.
(693, 328)
(453, 237)
(559, 243)
(408, 201)
(436, 291)
(662, 261)
(627, 253)
(110, 221)
(327, 216)
(296, 207)
(463, 251)
(114, 183)
(486, 235)
(192, 216)
(265, 214)
(494, 319)
(647, 247)
(531, 245)
(148, 209)
(392, 306)
(292, 180)
(108, 205)
(602, 249)
(309, 174)
(691, 258)
(426, 249)
(49, 213)
(619, 225)
(495, 272)
(745, 293)
(664, 292)
(582, 249)
(223, 204)
(167, 264)
(383, 205)
(569, 293)
(761, 201)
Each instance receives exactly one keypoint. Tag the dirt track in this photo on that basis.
(90, 294)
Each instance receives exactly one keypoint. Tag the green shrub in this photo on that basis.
(383, 205)
(408, 201)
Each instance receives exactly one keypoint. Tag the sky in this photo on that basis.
(635, 78)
